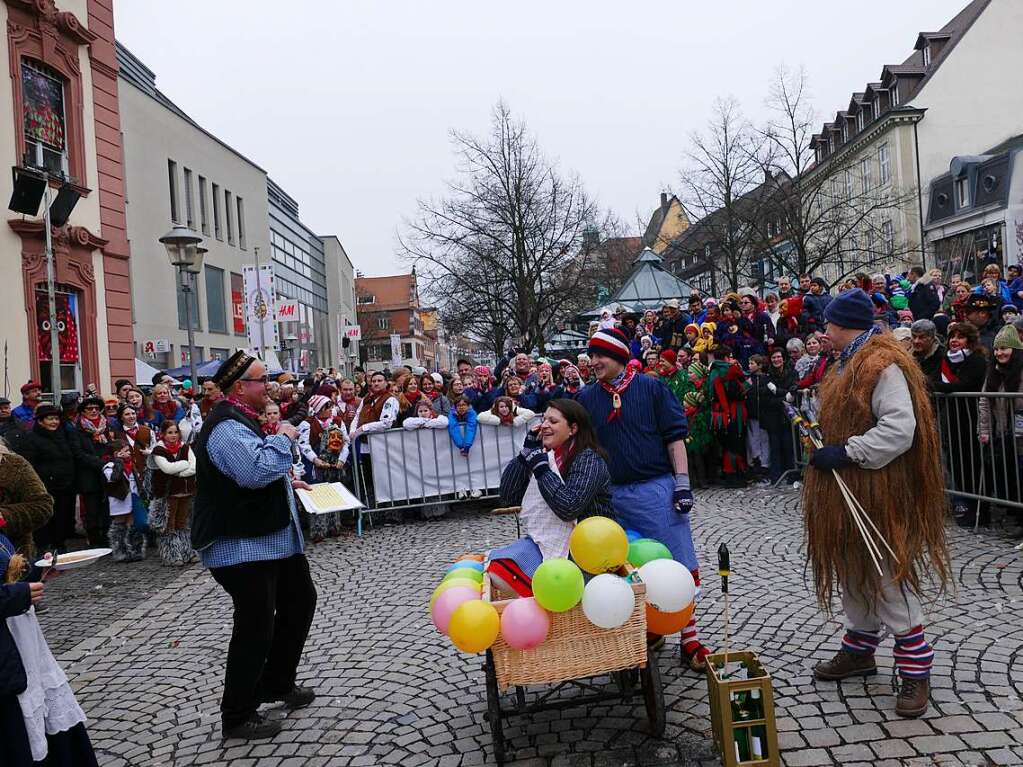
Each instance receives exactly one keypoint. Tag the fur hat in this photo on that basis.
(44, 409)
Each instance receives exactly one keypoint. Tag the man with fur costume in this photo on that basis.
(879, 434)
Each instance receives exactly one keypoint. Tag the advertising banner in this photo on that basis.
(259, 307)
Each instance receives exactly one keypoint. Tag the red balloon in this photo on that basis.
(662, 623)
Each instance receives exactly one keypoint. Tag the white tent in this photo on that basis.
(144, 372)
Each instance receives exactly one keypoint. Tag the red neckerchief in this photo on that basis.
(616, 393)
(131, 432)
(246, 410)
(269, 429)
(562, 453)
(947, 376)
(169, 408)
(413, 397)
(507, 420)
(431, 394)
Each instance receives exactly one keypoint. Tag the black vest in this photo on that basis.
(224, 509)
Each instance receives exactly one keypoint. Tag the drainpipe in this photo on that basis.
(920, 197)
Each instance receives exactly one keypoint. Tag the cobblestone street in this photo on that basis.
(144, 647)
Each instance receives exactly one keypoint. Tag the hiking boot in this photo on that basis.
(298, 697)
(257, 727)
(844, 665)
(913, 697)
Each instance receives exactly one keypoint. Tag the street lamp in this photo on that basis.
(186, 255)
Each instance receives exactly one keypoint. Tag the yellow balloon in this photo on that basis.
(474, 626)
(599, 545)
(449, 584)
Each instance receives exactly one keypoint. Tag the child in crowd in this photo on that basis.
(127, 542)
(506, 413)
(173, 494)
(462, 425)
(758, 446)
(425, 418)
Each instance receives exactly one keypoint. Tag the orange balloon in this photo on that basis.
(473, 557)
(658, 622)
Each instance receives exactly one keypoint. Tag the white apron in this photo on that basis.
(549, 532)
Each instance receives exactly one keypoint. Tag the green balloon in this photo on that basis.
(558, 585)
(646, 550)
(465, 572)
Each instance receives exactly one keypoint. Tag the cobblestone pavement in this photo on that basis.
(144, 646)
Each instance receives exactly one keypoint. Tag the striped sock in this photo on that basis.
(861, 642)
(913, 654)
(691, 644)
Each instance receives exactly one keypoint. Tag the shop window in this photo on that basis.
(45, 124)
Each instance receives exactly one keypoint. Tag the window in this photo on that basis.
(865, 174)
(845, 131)
(860, 120)
(927, 55)
(887, 237)
(241, 222)
(203, 216)
(172, 177)
(884, 162)
(216, 302)
(193, 304)
(877, 106)
(963, 192)
(849, 185)
(216, 213)
(367, 299)
(895, 93)
(45, 125)
(706, 252)
(228, 217)
(189, 207)
(383, 323)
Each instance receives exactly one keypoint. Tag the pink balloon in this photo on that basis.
(446, 604)
(524, 624)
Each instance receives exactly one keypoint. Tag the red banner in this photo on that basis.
(67, 327)
(238, 303)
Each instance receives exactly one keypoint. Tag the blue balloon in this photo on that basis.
(467, 563)
(632, 535)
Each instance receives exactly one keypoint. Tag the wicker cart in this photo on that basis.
(575, 651)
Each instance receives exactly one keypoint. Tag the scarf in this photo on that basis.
(432, 394)
(269, 429)
(949, 376)
(616, 388)
(97, 429)
(854, 347)
(168, 409)
(413, 396)
(245, 409)
(562, 453)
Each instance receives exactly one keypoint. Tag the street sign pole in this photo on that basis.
(51, 295)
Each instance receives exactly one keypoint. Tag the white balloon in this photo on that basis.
(608, 601)
(669, 585)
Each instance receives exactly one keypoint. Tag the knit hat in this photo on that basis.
(904, 314)
(694, 326)
(1008, 338)
(851, 309)
(899, 302)
(438, 379)
(44, 409)
(326, 390)
(610, 342)
(669, 354)
(697, 370)
(1009, 309)
(29, 387)
(316, 403)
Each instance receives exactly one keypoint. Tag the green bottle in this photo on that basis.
(758, 742)
(742, 745)
(756, 705)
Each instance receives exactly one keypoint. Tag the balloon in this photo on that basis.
(598, 545)
(608, 601)
(524, 624)
(647, 550)
(464, 572)
(470, 558)
(474, 625)
(558, 585)
(186, 384)
(471, 564)
(454, 583)
(446, 603)
(669, 585)
(668, 623)
(632, 535)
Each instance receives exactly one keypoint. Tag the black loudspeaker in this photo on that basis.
(60, 209)
(28, 192)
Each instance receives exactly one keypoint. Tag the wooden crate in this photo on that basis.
(574, 648)
(727, 731)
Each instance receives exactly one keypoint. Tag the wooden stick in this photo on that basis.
(868, 519)
(875, 553)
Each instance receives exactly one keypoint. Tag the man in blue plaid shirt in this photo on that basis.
(246, 529)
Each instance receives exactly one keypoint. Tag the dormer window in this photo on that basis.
(927, 55)
(895, 94)
(860, 119)
(962, 192)
(877, 106)
(845, 131)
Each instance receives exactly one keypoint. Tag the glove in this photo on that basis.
(772, 388)
(682, 498)
(536, 460)
(532, 441)
(789, 398)
(831, 457)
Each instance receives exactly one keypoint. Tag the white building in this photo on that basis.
(341, 302)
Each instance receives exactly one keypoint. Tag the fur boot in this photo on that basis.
(165, 546)
(134, 545)
(158, 515)
(186, 553)
(118, 545)
(318, 527)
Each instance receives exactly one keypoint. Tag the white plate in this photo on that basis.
(75, 559)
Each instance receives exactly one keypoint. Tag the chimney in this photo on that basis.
(664, 202)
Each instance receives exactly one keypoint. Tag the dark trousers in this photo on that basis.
(780, 443)
(61, 526)
(274, 602)
(96, 517)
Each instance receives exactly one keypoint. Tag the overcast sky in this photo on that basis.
(348, 105)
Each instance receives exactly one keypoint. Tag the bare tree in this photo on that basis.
(721, 170)
(504, 242)
(833, 218)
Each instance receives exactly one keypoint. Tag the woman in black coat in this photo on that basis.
(963, 369)
(47, 448)
(781, 383)
(90, 444)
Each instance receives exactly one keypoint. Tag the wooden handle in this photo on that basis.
(505, 510)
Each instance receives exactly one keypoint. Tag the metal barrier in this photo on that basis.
(402, 469)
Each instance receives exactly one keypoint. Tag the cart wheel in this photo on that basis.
(493, 714)
(626, 680)
(653, 694)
